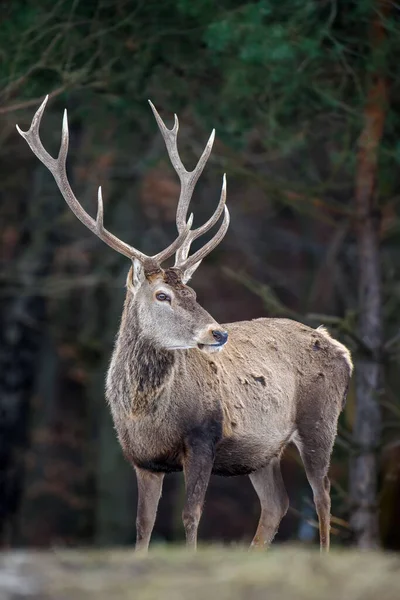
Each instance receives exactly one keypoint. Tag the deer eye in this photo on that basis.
(163, 297)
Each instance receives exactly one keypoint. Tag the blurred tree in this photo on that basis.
(367, 425)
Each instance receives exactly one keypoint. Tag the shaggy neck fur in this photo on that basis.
(139, 370)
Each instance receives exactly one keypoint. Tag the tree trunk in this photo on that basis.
(57, 500)
(22, 314)
(367, 425)
(20, 320)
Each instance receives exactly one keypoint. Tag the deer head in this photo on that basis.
(165, 306)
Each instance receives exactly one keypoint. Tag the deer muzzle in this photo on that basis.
(212, 340)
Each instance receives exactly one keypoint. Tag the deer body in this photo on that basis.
(251, 398)
(189, 394)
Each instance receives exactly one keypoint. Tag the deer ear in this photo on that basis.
(189, 272)
(135, 277)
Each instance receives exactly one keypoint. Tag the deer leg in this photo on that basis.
(149, 493)
(321, 489)
(316, 457)
(197, 466)
(268, 484)
(320, 485)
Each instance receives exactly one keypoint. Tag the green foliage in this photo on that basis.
(276, 67)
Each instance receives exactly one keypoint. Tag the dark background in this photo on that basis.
(304, 95)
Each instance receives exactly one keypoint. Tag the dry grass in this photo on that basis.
(215, 573)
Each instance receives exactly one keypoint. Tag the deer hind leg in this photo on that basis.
(149, 493)
(315, 452)
(274, 501)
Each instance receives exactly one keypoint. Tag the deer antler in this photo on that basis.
(57, 166)
(188, 181)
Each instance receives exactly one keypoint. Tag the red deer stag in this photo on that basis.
(189, 394)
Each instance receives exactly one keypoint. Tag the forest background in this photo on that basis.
(305, 99)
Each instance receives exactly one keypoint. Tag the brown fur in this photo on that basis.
(234, 411)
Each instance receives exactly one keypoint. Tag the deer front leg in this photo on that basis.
(197, 466)
(149, 493)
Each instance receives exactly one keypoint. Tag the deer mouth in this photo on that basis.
(210, 348)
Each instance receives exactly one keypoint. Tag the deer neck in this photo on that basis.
(139, 371)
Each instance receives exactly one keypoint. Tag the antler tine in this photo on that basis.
(198, 256)
(184, 250)
(188, 179)
(39, 150)
(158, 258)
(177, 243)
(182, 261)
(57, 166)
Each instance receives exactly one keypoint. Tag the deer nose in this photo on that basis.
(219, 336)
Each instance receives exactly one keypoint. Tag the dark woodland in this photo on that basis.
(305, 99)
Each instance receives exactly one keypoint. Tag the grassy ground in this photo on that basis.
(212, 574)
